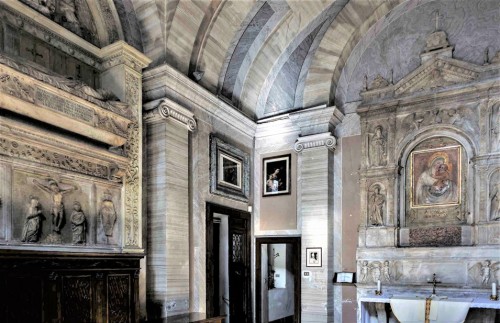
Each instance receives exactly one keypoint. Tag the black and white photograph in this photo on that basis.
(313, 257)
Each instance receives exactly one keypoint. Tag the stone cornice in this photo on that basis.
(164, 80)
(315, 141)
(311, 120)
(168, 109)
(122, 53)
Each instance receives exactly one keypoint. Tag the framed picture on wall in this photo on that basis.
(313, 257)
(276, 175)
(436, 177)
(229, 170)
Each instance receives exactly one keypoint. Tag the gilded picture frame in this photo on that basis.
(436, 177)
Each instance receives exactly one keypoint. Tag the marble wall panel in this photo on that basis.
(4, 200)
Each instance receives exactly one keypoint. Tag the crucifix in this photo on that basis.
(434, 282)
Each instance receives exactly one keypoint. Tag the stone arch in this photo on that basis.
(413, 141)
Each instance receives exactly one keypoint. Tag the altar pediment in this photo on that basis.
(436, 73)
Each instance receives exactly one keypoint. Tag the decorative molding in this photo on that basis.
(168, 109)
(164, 80)
(132, 186)
(67, 161)
(316, 141)
(122, 53)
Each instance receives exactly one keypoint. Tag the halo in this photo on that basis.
(440, 155)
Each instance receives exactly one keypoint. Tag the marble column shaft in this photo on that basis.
(168, 216)
(316, 182)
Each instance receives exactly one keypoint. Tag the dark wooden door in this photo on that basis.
(240, 309)
(239, 270)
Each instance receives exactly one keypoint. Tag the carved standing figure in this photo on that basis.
(365, 269)
(108, 214)
(386, 271)
(377, 147)
(33, 224)
(57, 210)
(78, 224)
(376, 207)
(495, 203)
(485, 272)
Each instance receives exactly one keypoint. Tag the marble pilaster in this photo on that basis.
(316, 208)
(168, 262)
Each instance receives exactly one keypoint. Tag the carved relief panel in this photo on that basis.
(49, 208)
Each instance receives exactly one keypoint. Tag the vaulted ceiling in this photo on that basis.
(271, 57)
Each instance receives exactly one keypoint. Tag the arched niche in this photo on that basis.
(436, 186)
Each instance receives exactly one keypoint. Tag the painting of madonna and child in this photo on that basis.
(436, 177)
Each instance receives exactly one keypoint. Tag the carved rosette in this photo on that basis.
(316, 141)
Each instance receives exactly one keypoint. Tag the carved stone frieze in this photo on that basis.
(62, 105)
(44, 156)
(315, 141)
(168, 109)
(99, 97)
(385, 271)
(483, 273)
(465, 117)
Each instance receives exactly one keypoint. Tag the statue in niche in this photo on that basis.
(32, 226)
(495, 128)
(377, 152)
(365, 269)
(107, 214)
(57, 209)
(495, 203)
(376, 206)
(78, 224)
(386, 271)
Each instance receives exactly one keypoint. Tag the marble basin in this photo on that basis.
(411, 309)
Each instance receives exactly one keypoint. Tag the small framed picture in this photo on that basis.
(313, 257)
(229, 173)
(229, 170)
(276, 171)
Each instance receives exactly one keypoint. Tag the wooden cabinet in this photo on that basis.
(69, 288)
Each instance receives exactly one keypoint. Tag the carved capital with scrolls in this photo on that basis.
(316, 141)
(168, 109)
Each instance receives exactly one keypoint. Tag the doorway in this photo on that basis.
(278, 280)
(228, 263)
